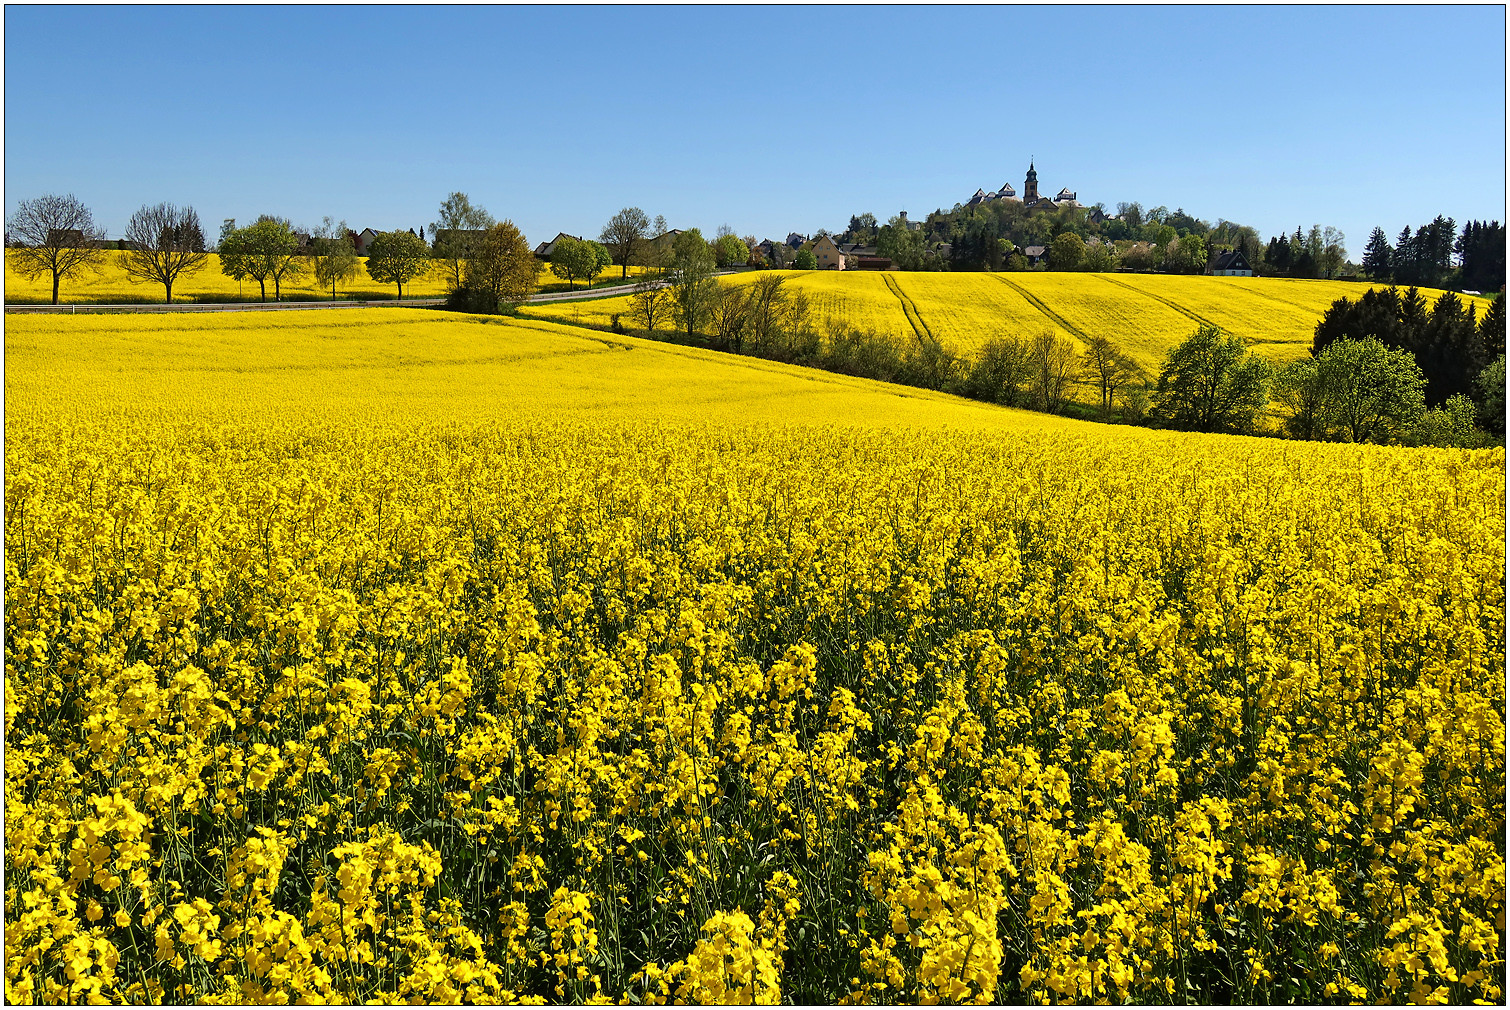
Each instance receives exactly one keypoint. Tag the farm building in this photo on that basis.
(1231, 264)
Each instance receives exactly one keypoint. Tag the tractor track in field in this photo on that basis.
(1038, 304)
(910, 310)
(1163, 301)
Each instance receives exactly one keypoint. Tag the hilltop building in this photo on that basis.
(1030, 198)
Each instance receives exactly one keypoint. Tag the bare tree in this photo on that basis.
(766, 298)
(54, 235)
(651, 301)
(1109, 368)
(731, 315)
(163, 243)
(625, 235)
(1053, 367)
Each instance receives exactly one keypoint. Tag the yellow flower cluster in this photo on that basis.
(553, 709)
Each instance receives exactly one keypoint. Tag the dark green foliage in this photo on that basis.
(1481, 248)
(1378, 256)
(1448, 342)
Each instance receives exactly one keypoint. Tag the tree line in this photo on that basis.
(488, 262)
(1426, 257)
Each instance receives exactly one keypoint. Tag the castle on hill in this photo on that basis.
(1030, 198)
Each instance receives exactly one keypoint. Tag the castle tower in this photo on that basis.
(1030, 186)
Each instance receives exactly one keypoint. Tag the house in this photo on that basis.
(1036, 254)
(363, 241)
(1231, 264)
(1096, 216)
(827, 254)
(544, 249)
(795, 241)
(65, 238)
(863, 257)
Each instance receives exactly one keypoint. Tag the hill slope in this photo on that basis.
(416, 366)
(1146, 314)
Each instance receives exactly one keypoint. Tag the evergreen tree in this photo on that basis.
(1376, 257)
(1404, 266)
(1492, 328)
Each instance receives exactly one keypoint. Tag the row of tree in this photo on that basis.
(1426, 257)
(55, 236)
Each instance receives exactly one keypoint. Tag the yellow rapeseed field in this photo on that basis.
(388, 655)
(1144, 314)
(110, 284)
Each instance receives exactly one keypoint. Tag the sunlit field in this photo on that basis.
(111, 285)
(393, 655)
(1144, 314)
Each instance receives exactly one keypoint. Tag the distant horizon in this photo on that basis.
(771, 121)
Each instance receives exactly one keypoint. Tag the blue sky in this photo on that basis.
(768, 119)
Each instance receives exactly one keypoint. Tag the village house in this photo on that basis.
(544, 249)
(827, 254)
(362, 240)
(1231, 264)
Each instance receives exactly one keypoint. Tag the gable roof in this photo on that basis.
(1232, 259)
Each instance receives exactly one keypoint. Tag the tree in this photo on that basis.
(335, 258)
(397, 257)
(729, 251)
(1002, 368)
(1109, 368)
(625, 235)
(1211, 383)
(1099, 258)
(54, 235)
(691, 277)
(805, 260)
(457, 234)
(767, 296)
(1491, 390)
(1377, 256)
(1372, 393)
(164, 243)
(1481, 250)
(1492, 327)
(1301, 390)
(573, 260)
(862, 228)
(1185, 255)
(730, 313)
(502, 270)
(1053, 366)
(1333, 252)
(1066, 252)
(650, 301)
(266, 249)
